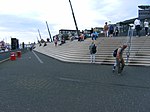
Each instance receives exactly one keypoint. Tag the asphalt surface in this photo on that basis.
(37, 83)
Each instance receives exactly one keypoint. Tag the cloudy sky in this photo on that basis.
(22, 18)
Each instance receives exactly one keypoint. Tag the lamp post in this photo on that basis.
(74, 18)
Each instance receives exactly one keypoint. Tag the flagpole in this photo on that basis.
(39, 34)
(74, 18)
(49, 31)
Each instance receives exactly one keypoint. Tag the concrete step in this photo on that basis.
(79, 51)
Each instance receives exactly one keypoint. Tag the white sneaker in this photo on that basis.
(113, 70)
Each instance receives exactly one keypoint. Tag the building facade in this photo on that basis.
(143, 13)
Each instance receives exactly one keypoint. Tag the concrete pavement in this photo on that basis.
(27, 85)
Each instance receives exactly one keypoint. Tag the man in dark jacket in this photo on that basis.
(93, 51)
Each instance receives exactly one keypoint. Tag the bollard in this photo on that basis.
(13, 56)
(19, 54)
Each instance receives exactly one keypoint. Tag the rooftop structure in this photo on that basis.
(144, 7)
(144, 11)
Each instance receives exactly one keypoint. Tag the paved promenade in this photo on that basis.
(38, 83)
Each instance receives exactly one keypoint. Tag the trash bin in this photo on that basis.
(12, 56)
(19, 54)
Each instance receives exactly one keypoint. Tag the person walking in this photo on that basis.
(146, 27)
(55, 41)
(91, 31)
(115, 63)
(111, 30)
(94, 35)
(137, 24)
(116, 31)
(93, 51)
(119, 59)
(106, 29)
(81, 37)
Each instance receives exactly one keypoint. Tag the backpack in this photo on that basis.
(111, 27)
(115, 52)
(94, 49)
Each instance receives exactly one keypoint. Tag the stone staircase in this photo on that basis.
(79, 51)
(140, 51)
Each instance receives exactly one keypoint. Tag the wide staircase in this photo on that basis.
(75, 51)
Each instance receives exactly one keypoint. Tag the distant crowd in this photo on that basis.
(109, 30)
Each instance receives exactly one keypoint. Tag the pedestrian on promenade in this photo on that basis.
(40, 44)
(93, 51)
(106, 29)
(45, 44)
(94, 35)
(55, 40)
(119, 58)
(48, 39)
(91, 31)
(81, 37)
(116, 31)
(114, 55)
(111, 30)
(137, 24)
(146, 27)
